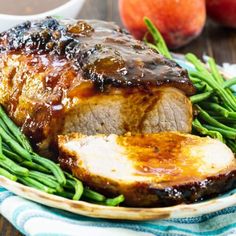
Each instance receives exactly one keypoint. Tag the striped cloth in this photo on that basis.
(36, 220)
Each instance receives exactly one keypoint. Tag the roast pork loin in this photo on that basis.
(150, 170)
(88, 76)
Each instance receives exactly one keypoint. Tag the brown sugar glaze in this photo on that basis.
(165, 156)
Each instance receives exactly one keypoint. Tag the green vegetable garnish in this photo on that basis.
(218, 118)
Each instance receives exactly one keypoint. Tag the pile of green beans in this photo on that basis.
(18, 162)
(216, 113)
(214, 102)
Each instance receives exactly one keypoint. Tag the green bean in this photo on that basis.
(219, 89)
(230, 94)
(1, 153)
(200, 97)
(114, 201)
(20, 137)
(78, 186)
(195, 80)
(69, 185)
(4, 145)
(78, 190)
(229, 83)
(232, 115)
(7, 174)
(205, 116)
(199, 66)
(49, 176)
(158, 39)
(35, 184)
(14, 145)
(215, 99)
(201, 87)
(225, 133)
(152, 46)
(45, 180)
(204, 131)
(11, 166)
(3, 125)
(228, 121)
(52, 177)
(232, 145)
(65, 194)
(95, 196)
(34, 166)
(90, 194)
(54, 168)
(12, 155)
(216, 108)
(214, 70)
(205, 76)
(227, 107)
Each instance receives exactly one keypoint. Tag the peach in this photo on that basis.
(179, 21)
(222, 11)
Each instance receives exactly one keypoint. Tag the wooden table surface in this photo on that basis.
(215, 41)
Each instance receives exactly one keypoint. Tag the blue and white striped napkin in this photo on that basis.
(36, 220)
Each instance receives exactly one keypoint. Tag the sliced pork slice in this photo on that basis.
(150, 170)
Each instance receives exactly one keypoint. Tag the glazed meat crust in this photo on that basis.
(50, 67)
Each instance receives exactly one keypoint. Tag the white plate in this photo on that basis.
(121, 213)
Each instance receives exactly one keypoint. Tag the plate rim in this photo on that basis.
(118, 213)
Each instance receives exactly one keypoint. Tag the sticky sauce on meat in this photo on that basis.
(163, 156)
(101, 51)
(56, 63)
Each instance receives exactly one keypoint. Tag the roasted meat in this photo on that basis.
(91, 77)
(150, 170)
